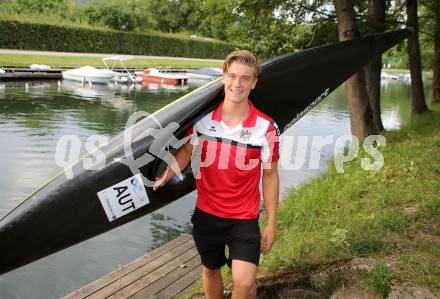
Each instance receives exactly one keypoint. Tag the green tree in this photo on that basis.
(361, 117)
(112, 14)
(61, 8)
(142, 14)
(167, 16)
(417, 93)
(125, 15)
(277, 27)
(216, 19)
(375, 24)
(44, 6)
(430, 41)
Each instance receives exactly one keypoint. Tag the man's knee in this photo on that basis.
(211, 273)
(244, 285)
(243, 277)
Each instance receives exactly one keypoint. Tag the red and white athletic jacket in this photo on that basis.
(230, 162)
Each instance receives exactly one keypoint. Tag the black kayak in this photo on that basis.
(66, 211)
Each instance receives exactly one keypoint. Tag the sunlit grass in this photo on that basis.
(378, 280)
(363, 213)
(24, 60)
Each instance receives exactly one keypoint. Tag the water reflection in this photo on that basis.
(166, 228)
(86, 91)
(163, 87)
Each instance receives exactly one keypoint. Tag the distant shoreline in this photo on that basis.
(24, 58)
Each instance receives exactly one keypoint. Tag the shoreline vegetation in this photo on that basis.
(390, 216)
(25, 60)
(51, 37)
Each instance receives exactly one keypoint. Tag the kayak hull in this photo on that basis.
(66, 211)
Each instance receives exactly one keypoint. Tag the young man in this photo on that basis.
(235, 141)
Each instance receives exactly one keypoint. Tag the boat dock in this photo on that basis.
(165, 272)
(28, 74)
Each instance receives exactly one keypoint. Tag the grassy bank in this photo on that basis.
(391, 215)
(24, 60)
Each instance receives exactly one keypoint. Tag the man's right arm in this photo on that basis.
(183, 158)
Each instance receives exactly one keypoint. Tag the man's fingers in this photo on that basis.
(158, 183)
(266, 243)
(265, 247)
(160, 180)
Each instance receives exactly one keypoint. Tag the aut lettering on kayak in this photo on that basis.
(123, 197)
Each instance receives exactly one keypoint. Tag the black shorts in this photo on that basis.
(211, 234)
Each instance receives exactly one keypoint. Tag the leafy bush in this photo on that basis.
(110, 15)
(125, 15)
(62, 8)
(17, 35)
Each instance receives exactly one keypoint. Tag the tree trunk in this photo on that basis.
(415, 65)
(375, 23)
(361, 117)
(436, 66)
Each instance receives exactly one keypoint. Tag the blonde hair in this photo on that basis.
(244, 57)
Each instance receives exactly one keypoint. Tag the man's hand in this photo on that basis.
(268, 238)
(161, 180)
(270, 194)
(183, 157)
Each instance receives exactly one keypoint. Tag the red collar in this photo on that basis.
(249, 122)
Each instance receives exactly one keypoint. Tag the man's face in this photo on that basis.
(239, 80)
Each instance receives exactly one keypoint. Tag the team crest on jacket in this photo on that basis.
(245, 135)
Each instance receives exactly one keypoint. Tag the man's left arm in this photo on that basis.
(270, 195)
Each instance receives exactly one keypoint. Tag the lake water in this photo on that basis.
(34, 115)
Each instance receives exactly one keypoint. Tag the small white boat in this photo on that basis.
(404, 77)
(39, 67)
(396, 77)
(124, 77)
(89, 74)
(387, 76)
